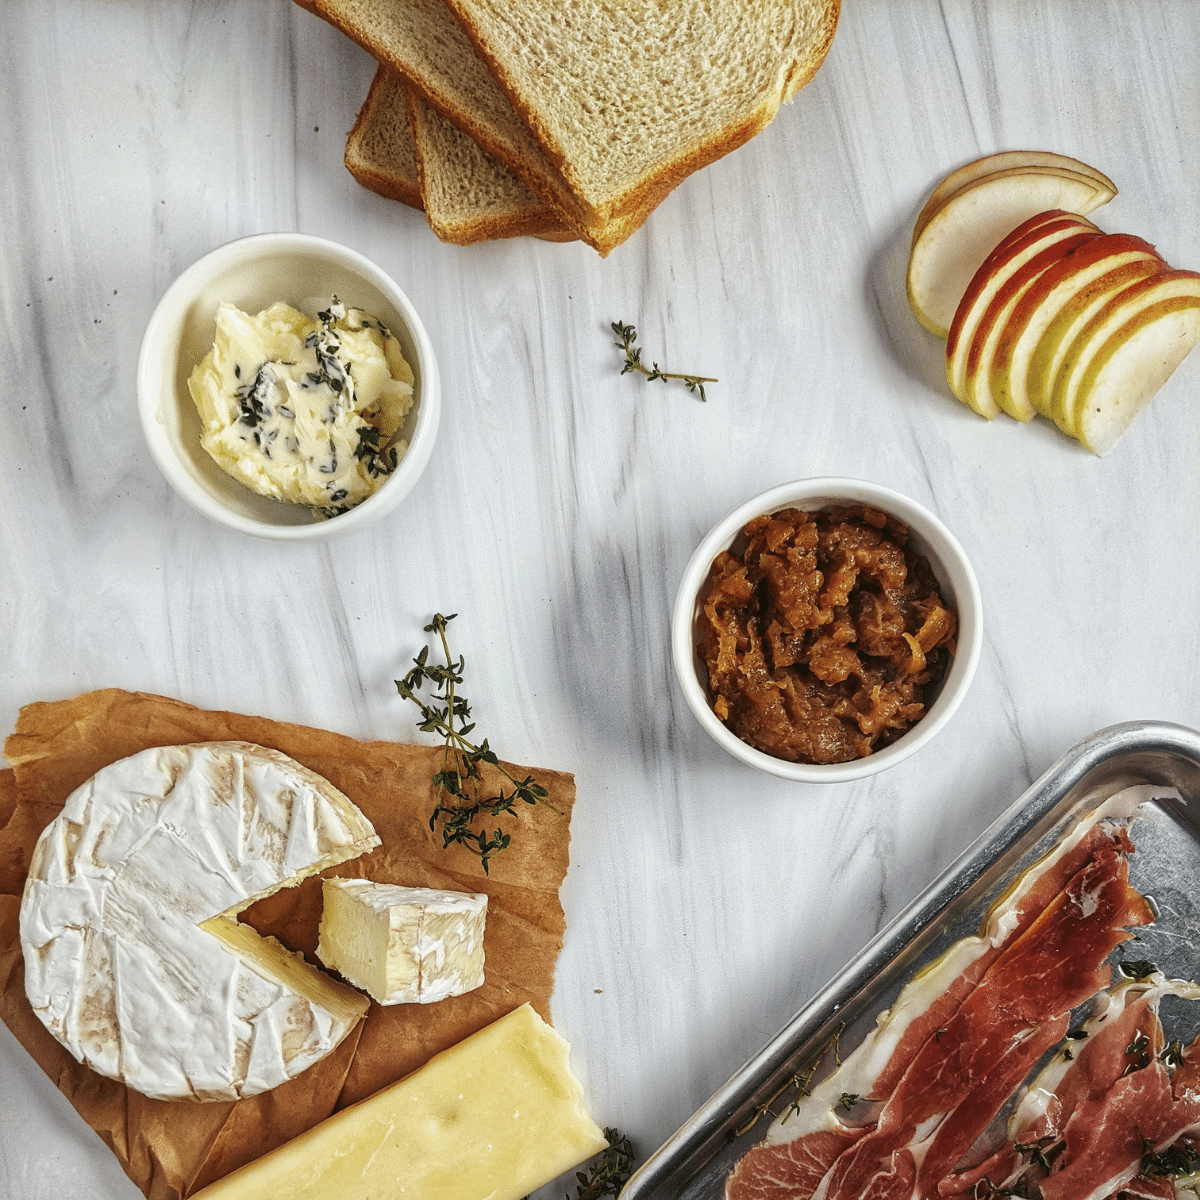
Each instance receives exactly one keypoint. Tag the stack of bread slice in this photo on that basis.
(565, 119)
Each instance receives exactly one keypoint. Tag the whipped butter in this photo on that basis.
(304, 411)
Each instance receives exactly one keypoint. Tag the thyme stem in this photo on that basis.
(633, 362)
(800, 1081)
(459, 802)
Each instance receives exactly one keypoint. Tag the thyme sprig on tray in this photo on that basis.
(1140, 969)
(800, 1081)
(461, 803)
(1175, 1160)
(633, 362)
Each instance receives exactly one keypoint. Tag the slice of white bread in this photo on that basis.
(380, 150)
(468, 196)
(628, 97)
(421, 41)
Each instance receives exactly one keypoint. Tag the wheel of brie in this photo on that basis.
(134, 959)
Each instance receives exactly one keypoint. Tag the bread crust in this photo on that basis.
(541, 178)
(392, 184)
(604, 220)
(532, 219)
(647, 192)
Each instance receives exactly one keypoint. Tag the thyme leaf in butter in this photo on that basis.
(461, 805)
(633, 362)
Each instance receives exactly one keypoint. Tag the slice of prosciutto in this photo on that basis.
(963, 1034)
(1121, 1035)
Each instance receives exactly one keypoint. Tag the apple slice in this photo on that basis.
(1059, 335)
(1122, 314)
(1007, 160)
(1132, 366)
(1040, 233)
(981, 349)
(1046, 297)
(969, 223)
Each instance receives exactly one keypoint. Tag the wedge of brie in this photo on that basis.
(134, 959)
(403, 945)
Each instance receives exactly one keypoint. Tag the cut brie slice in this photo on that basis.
(134, 959)
(403, 945)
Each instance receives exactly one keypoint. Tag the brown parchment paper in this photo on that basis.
(172, 1149)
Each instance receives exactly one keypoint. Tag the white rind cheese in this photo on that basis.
(133, 957)
(403, 945)
(303, 411)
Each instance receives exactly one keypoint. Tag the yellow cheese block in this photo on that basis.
(493, 1118)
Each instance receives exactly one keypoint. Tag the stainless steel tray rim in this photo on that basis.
(1076, 765)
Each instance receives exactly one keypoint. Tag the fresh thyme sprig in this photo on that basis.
(1179, 1159)
(633, 362)
(1035, 1152)
(609, 1171)
(460, 799)
(800, 1082)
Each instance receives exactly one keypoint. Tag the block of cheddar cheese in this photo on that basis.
(493, 1118)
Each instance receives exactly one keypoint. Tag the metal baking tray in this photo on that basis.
(694, 1162)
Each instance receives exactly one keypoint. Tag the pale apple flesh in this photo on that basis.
(1131, 368)
(1049, 295)
(1120, 312)
(1007, 160)
(1059, 335)
(969, 224)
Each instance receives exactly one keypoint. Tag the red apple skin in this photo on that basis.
(1053, 287)
(969, 224)
(1017, 241)
(1028, 239)
(978, 394)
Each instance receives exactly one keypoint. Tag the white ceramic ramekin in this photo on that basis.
(927, 535)
(253, 273)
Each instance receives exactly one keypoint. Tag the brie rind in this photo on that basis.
(134, 959)
(403, 945)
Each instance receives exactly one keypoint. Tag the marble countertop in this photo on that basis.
(705, 902)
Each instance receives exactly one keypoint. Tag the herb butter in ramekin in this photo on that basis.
(303, 411)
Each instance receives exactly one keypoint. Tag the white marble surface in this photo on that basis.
(704, 901)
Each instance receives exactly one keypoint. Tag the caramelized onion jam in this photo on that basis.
(825, 637)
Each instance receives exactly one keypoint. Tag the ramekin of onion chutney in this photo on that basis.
(826, 629)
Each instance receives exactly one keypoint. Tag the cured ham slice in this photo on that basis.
(962, 1035)
(1040, 976)
(771, 1171)
(1106, 1137)
(1121, 1035)
(804, 1142)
